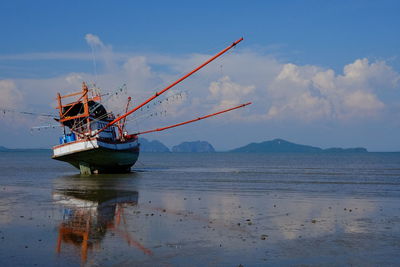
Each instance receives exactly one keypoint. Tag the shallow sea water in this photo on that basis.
(203, 210)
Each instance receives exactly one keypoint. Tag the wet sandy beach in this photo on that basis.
(203, 210)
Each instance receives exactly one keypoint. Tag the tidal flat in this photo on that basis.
(217, 209)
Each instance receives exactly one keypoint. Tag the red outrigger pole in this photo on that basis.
(169, 86)
(186, 122)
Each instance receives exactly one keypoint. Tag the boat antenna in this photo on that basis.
(94, 61)
(157, 94)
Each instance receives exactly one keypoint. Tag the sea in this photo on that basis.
(195, 209)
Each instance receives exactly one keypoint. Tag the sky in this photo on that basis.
(321, 73)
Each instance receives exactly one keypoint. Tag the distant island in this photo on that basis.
(273, 146)
(194, 147)
(152, 146)
(283, 146)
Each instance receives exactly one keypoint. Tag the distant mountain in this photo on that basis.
(283, 146)
(196, 146)
(152, 146)
(2, 148)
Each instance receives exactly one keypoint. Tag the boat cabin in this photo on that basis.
(84, 117)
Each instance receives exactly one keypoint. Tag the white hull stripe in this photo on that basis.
(88, 145)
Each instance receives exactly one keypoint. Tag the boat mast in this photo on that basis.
(157, 94)
(86, 106)
(121, 124)
(126, 110)
(60, 110)
(84, 99)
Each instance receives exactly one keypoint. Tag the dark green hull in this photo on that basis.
(102, 160)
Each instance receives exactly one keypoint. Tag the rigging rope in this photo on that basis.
(4, 111)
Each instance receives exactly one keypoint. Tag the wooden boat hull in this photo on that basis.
(94, 156)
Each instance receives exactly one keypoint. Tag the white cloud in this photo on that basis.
(11, 103)
(311, 93)
(368, 75)
(281, 92)
(363, 102)
(10, 96)
(138, 73)
(228, 93)
(94, 40)
(105, 51)
(277, 90)
(75, 79)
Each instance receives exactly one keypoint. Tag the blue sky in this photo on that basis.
(322, 73)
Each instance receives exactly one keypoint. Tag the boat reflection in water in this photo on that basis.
(89, 213)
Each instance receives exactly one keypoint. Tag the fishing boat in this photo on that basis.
(111, 150)
(95, 140)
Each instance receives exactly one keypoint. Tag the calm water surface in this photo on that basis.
(203, 210)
